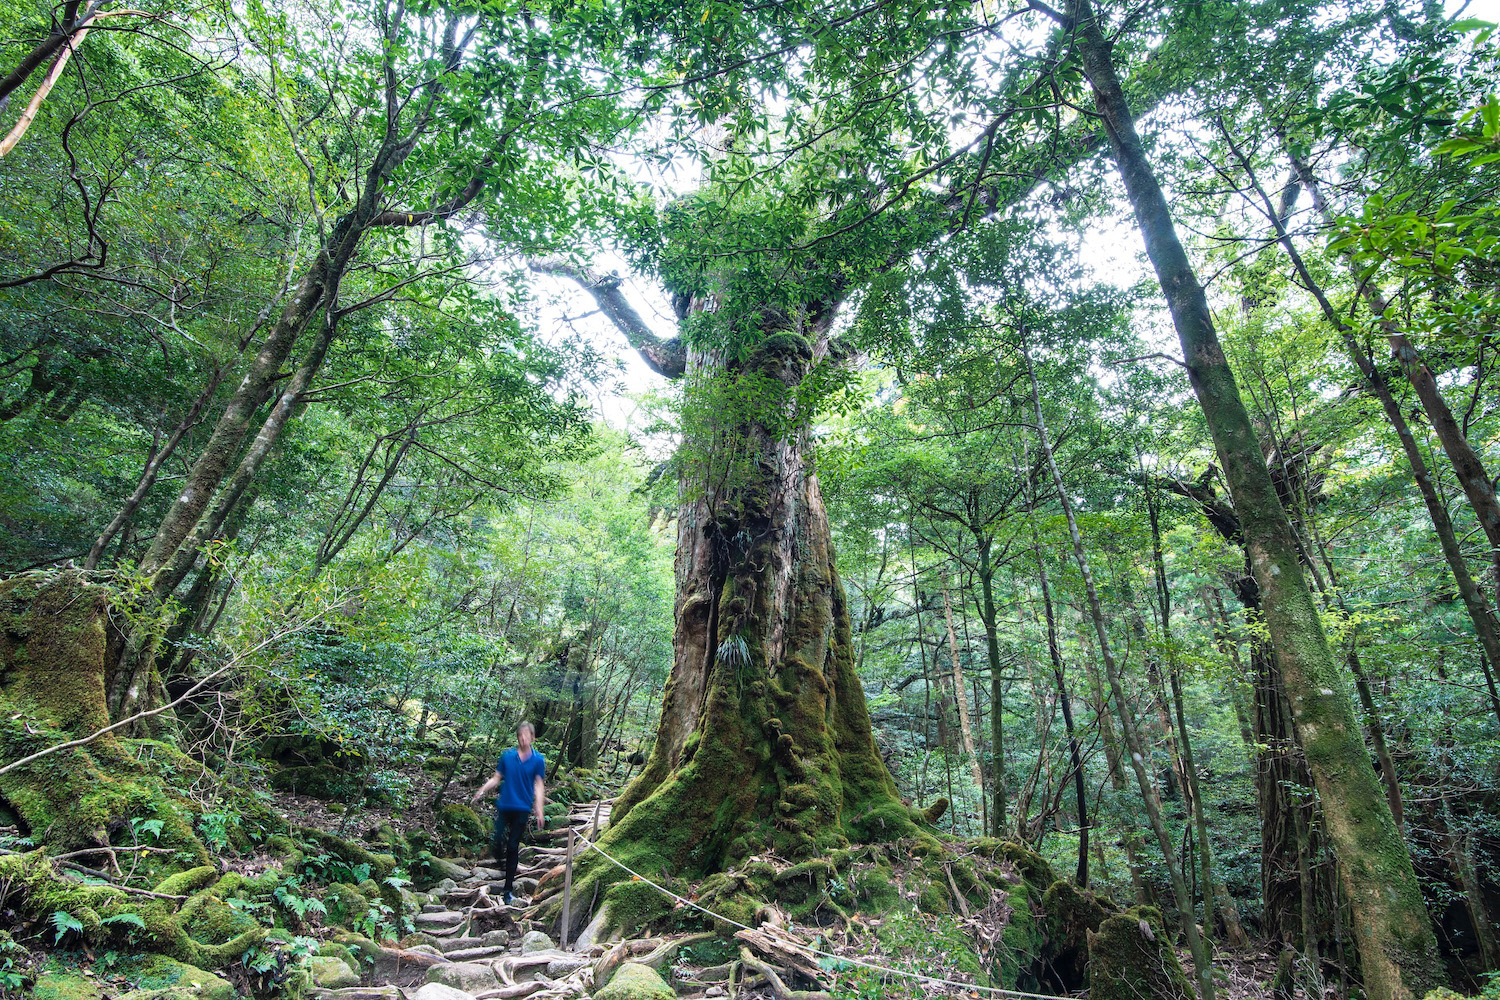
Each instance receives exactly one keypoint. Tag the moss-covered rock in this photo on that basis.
(321, 781)
(459, 828)
(633, 981)
(66, 986)
(344, 902)
(332, 973)
(158, 972)
(360, 948)
(634, 905)
(1131, 958)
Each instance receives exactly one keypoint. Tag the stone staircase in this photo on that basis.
(468, 945)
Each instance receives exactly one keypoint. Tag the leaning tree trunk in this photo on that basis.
(1398, 952)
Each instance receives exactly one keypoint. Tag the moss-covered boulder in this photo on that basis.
(320, 781)
(331, 972)
(460, 829)
(1071, 914)
(1131, 958)
(66, 986)
(634, 981)
(158, 973)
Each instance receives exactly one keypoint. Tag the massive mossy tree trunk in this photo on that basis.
(765, 740)
(1398, 952)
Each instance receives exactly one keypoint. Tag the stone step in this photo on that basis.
(475, 954)
(440, 918)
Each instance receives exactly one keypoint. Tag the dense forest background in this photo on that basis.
(324, 468)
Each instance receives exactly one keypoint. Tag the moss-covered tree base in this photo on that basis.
(1131, 958)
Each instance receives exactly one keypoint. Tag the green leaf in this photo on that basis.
(64, 922)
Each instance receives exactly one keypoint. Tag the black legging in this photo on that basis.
(505, 842)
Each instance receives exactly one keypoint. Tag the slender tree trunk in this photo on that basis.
(987, 615)
(961, 698)
(1114, 760)
(171, 573)
(218, 454)
(147, 479)
(1075, 756)
(1477, 485)
(1398, 951)
(1202, 965)
(1215, 895)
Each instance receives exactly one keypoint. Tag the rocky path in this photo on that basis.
(468, 945)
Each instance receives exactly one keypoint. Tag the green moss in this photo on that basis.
(460, 827)
(935, 812)
(359, 946)
(332, 949)
(634, 905)
(42, 891)
(1071, 914)
(344, 901)
(1131, 958)
(350, 853)
(875, 889)
(66, 986)
(209, 919)
(190, 881)
(633, 981)
(53, 656)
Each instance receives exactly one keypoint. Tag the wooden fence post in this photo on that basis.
(567, 913)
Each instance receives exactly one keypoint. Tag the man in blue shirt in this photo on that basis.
(518, 774)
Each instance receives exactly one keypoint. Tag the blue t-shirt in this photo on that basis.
(517, 780)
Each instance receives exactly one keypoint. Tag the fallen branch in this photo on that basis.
(778, 987)
(779, 946)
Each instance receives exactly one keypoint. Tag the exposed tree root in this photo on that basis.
(778, 986)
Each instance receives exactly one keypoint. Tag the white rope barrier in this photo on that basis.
(920, 977)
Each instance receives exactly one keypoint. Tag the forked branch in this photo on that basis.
(667, 358)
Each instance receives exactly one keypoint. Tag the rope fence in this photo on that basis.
(873, 967)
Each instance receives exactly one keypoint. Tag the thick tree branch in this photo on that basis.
(667, 358)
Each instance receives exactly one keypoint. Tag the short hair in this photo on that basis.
(523, 724)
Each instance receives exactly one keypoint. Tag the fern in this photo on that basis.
(128, 919)
(63, 922)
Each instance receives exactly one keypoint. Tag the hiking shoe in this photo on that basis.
(509, 897)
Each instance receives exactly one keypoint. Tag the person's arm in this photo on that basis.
(487, 788)
(538, 797)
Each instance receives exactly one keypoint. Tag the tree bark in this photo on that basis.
(1214, 892)
(961, 698)
(1075, 756)
(986, 572)
(1398, 952)
(1481, 613)
(762, 715)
